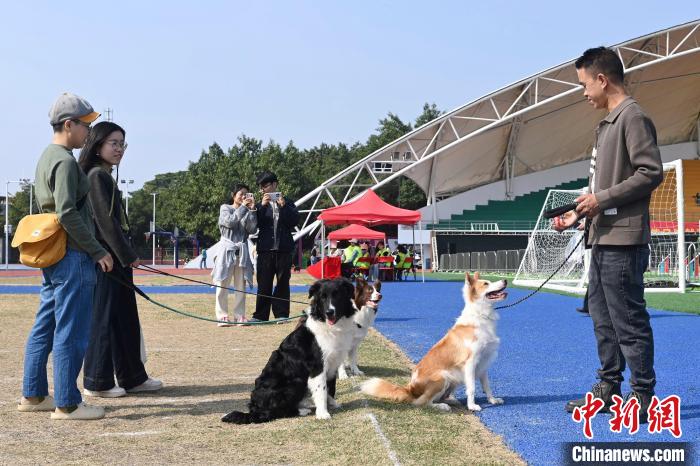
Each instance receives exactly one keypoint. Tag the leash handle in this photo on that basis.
(557, 211)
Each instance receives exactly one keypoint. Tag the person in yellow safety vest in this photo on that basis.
(352, 252)
(399, 257)
(410, 265)
(363, 267)
(382, 251)
(350, 255)
(379, 251)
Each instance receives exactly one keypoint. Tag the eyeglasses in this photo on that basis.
(83, 124)
(117, 144)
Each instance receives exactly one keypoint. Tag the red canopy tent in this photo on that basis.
(356, 231)
(368, 209)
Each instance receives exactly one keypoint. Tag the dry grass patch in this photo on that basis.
(301, 278)
(209, 371)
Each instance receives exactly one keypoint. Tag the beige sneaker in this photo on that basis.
(82, 413)
(47, 404)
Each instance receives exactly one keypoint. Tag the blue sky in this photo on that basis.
(181, 75)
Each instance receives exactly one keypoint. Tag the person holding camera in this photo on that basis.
(277, 216)
(232, 260)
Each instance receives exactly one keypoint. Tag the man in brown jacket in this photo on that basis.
(625, 168)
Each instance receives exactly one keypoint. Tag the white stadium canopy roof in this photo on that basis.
(538, 123)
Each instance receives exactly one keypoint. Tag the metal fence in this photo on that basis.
(486, 261)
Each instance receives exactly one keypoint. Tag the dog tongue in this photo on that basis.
(331, 321)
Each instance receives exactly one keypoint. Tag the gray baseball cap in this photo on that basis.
(71, 107)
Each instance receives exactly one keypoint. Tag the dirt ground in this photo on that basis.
(209, 371)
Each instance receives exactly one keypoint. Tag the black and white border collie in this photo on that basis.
(307, 360)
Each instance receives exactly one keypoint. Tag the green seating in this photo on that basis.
(517, 214)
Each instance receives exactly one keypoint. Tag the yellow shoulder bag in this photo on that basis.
(41, 240)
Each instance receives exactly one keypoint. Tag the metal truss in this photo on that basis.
(505, 106)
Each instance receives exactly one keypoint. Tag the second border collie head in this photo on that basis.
(367, 293)
(332, 300)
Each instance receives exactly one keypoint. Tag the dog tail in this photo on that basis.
(237, 417)
(380, 388)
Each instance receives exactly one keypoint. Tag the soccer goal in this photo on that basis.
(547, 249)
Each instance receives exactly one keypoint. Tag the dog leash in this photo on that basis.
(143, 294)
(153, 270)
(546, 281)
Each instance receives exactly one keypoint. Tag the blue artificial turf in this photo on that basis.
(547, 356)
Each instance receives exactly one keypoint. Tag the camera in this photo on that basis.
(275, 196)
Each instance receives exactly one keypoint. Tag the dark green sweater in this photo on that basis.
(60, 185)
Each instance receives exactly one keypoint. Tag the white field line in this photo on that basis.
(130, 434)
(378, 429)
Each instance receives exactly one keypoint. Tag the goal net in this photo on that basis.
(547, 249)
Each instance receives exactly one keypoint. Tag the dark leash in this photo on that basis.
(551, 213)
(548, 214)
(153, 270)
(125, 282)
(546, 281)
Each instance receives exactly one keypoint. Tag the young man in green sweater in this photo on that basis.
(63, 320)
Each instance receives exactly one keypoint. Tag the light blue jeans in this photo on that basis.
(62, 325)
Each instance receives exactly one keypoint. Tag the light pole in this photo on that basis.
(31, 197)
(7, 224)
(153, 229)
(126, 191)
(7, 219)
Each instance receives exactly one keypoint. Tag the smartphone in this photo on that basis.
(274, 196)
(250, 196)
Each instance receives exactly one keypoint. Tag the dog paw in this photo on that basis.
(443, 407)
(452, 401)
(323, 415)
(473, 407)
(333, 404)
(356, 371)
(342, 375)
(307, 403)
(495, 401)
(304, 411)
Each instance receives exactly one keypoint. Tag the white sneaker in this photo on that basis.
(82, 413)
(114, 392)
(150, 385)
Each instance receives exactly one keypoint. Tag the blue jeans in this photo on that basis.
(62, 325)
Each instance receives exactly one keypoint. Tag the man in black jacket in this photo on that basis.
(277, 217)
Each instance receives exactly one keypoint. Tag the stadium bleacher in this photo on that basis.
(519, 214)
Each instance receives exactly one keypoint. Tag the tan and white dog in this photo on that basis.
(462, 356)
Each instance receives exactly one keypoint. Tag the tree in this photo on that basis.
(190, 199)
(430, 113)
(19, 205)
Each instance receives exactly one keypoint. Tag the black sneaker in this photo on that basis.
(603, 390)
(644, 399)
(582, 310)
